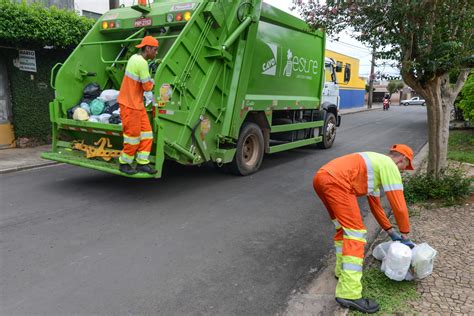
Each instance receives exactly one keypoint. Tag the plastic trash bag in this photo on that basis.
(104, 118)
(80, 114)
(381, 250)
(97, 107)
(70, 112)
(423, 260)
(91, 91)
(109, 95)
(94, 118)
(86, 107)
(397, 261)
(115, 119)
(110, 107)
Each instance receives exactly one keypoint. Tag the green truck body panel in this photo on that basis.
(232, 62)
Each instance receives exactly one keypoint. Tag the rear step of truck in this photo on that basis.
(77, 158)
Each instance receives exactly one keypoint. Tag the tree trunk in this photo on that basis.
(439, 109)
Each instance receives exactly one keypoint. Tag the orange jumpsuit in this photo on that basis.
(338, 184)
(137, 132)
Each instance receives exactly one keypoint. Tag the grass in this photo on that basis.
(392, 296)
(461, 145)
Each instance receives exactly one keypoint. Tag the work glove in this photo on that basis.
(149, 98)
(408, 243)
(394, 236)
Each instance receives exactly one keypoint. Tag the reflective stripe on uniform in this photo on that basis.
(132, 76)
(131, 140)
(351, 267)
(142, 157)
(375, 193)
(124, 158)
(146, 135)
(336, 223)
(355, 234)
(146, 80)
(370, 172)
(392, 187)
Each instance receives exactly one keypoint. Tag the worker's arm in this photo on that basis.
(145, 78)
(378, 211)
(393, 187)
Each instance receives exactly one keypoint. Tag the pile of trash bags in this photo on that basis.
(399, 262)
(97, 106)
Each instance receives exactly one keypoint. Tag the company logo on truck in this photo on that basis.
(304, 67)
(270, 66)
(294, 66)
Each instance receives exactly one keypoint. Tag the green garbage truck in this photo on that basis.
(234, 80)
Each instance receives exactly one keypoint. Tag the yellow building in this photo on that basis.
(351, 93)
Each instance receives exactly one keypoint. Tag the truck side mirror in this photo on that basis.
(347, 73)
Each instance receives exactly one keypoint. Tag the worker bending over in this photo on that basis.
(338, 184)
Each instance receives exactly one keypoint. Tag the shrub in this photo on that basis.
(33, 25)
(451, 187)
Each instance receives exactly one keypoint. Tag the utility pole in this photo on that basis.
(113, 4)
(371, 79)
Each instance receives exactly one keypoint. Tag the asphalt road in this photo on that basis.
(198, 241)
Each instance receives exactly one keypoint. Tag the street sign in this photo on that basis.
(27, 59)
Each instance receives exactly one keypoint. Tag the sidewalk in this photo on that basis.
(16, 159)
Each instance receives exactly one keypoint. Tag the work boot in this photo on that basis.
(127, 169)
(363, 305)
(146, 168)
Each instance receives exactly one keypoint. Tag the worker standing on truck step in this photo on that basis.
(137, 132)
(338, 184)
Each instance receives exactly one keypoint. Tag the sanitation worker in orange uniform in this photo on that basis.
(137, 132)
(338, 184)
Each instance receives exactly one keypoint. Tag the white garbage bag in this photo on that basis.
(380, 251)
(423, 260)
(396, 263)
(109, 95)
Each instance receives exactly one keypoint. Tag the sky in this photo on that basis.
(346, 45)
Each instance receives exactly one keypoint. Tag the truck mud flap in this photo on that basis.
(74, 158)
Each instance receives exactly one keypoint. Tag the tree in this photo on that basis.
(428, 38)
(394, 86)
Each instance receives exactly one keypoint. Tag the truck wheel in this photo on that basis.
(249, 154)
(329, 132)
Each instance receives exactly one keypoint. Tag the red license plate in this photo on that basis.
(143, 22)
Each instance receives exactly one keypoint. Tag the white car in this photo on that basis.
(413, 101)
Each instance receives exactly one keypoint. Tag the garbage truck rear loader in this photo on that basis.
(233, 79)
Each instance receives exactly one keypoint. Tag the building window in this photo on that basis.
(338, 66)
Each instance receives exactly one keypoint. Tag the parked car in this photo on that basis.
(413, 101)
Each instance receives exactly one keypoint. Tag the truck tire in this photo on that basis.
(329, 131)
(249, 154)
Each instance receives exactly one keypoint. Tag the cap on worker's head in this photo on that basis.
(148, 41)
(405, 151)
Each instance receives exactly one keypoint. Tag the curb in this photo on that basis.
(318, 297)
(360, 110)
(28, 167)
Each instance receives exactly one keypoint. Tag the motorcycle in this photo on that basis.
(386, 104)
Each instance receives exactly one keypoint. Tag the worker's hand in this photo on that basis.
(408, 242)
(149, 98)
(393, 235)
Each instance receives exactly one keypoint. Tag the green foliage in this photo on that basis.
(450, 187)
(466, 103)
(31, 94)
(390, 295)
(427, 38)
(461, 145)
(35, 26)
(394, 86)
